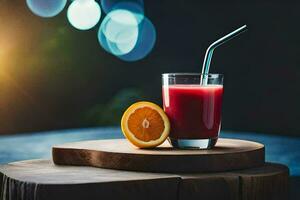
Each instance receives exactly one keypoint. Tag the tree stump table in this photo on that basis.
(43, 180)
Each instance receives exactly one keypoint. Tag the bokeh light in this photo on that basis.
(84, 14)
(118, 32)
(46, 8)
(135, 6)
(124, 35)
(145, 42)
(124, 32)
(116, 48)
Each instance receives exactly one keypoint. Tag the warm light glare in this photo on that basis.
(6, 49)
(84, 14)
(46, 8)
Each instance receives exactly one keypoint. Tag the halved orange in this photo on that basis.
(145, 124)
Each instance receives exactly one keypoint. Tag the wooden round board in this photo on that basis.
(229, 154)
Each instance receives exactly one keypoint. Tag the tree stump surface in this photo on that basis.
(43, 180)
(229, 154)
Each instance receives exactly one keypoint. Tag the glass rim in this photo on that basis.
(172, 75)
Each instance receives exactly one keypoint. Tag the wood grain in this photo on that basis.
(42, 180)
(264, 181)
(229, 154)
(261, 183)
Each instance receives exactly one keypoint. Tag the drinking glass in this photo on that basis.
(193, 107)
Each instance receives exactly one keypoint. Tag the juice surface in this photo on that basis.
(194, 111)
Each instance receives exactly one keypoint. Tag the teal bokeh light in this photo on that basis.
(124, 32)
(84, 14)
(118, 32)
(46, 8)
(127, 36)
(136, 6)
(120, 26)
(145, 42)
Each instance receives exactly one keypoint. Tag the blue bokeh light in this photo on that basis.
(118, 32)
(136, 6)
(46, 8)
(124, 35)
(144, 44)
(125, 32)
(120, 26)
(84, 14)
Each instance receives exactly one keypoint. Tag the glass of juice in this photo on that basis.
(194, 109)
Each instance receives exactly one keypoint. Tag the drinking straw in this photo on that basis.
(211, 48)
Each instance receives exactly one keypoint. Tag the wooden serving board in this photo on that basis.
(229, 154)
(42, 180)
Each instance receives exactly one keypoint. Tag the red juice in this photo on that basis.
(194, 111)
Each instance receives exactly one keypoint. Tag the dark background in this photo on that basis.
(53, 76)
